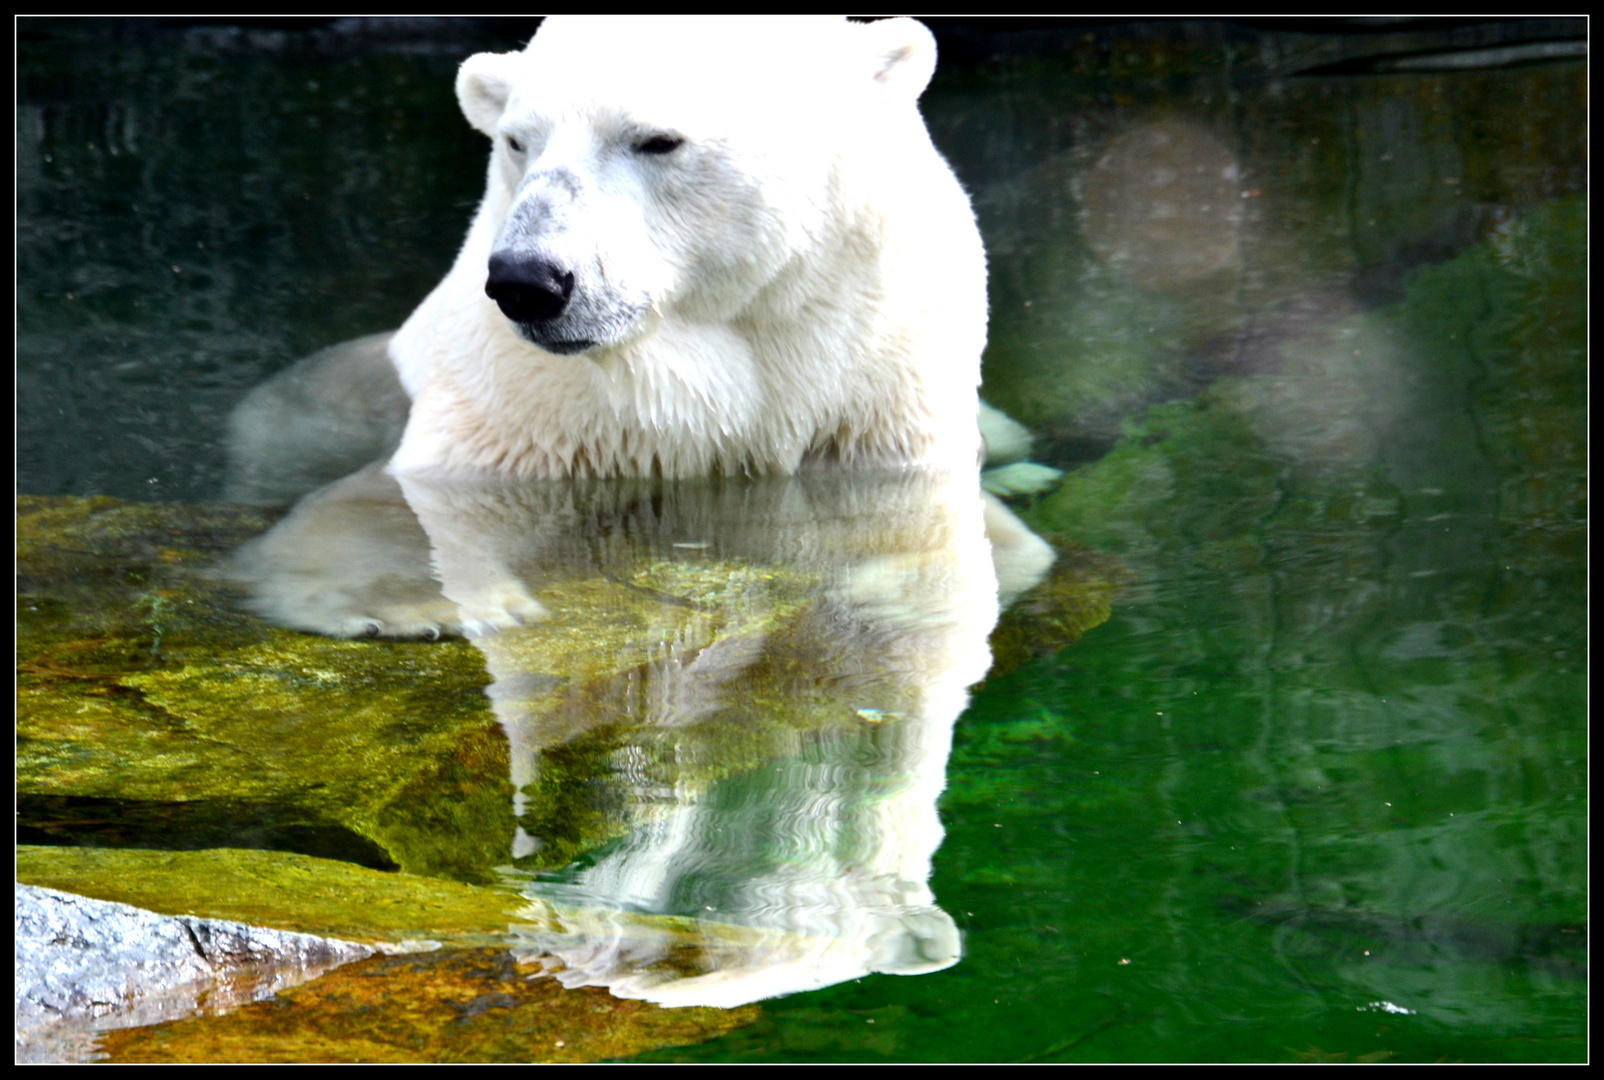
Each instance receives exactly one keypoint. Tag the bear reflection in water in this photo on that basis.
(775, 666)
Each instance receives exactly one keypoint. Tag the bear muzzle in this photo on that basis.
(533, 292)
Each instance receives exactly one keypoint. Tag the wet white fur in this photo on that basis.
(809, 274)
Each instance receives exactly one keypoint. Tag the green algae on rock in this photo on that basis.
(146, 699)
(278, 889)
(141, 682)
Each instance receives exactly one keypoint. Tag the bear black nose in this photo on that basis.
(528, 289)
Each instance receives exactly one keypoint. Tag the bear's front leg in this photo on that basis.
(314, 423)
(477, 533)
(349, 561)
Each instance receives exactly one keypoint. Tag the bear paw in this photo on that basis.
(387, 608)
(361, 626)
(420, 621)
(500, 607)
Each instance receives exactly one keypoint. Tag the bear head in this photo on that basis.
(646, 167)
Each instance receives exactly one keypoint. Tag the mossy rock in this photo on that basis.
(279, 889)
(146, 700)
(1077, 597)
(155, 714)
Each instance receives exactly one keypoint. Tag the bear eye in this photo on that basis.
(514, 145)
(659, 144)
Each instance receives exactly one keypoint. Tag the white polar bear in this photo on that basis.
(705, 246)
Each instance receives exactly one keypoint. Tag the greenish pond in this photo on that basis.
(1286, 762)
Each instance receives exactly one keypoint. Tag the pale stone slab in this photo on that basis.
(85, 965)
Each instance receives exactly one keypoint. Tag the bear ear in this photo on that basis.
(484, 82)
(902, 55)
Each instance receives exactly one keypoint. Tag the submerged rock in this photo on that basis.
(408, 792)
(146, 697)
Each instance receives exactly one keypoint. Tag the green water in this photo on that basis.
(1316, 790)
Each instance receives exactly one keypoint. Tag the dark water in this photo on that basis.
(1317, 790)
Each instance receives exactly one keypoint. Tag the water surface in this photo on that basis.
(1312, 346)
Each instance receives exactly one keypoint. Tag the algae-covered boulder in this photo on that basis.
(154, 713)
(282, 890)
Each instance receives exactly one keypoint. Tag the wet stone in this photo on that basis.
(146, 696)
(85, 966)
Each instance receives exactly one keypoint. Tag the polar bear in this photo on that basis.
(717, 322)
(706, 247)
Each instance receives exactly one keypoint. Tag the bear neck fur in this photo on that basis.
(863, 350)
